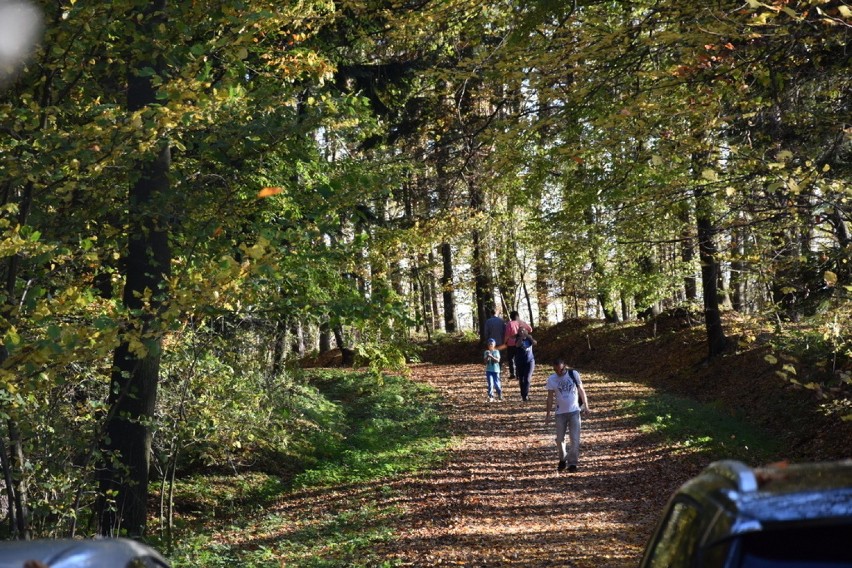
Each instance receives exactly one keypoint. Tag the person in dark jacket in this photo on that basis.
(524, 361)
(494, 328)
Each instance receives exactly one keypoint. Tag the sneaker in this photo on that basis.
(561, 465)
(572, 468)
(490, 399)
(500, 398)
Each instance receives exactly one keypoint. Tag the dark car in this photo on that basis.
(731, 515)
(71, 553)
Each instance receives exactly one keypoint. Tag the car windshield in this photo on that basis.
(798, 547)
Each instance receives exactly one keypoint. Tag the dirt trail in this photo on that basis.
(499, 500)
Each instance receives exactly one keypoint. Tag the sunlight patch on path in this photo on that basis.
(499, 500)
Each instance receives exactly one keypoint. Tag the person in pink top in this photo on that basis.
(510, 337)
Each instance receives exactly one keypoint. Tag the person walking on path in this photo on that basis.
(565, 387)
(524, 361)
(510, 335)
(492, 371)
(494, 327)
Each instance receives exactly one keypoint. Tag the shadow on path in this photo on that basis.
(499, 500)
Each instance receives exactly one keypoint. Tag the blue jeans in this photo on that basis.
(524, 371)
(511, 350)
(494, 385)
(570, 422)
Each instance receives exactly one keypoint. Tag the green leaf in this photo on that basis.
(830, 278)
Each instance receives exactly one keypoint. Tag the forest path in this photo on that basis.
(499, 500)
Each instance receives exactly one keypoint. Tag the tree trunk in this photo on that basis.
(279, 346)
(787, 274)
(542, 274)
(738, 270)
(133, 390)
(527, 298)
(576, 298)
(507, 263)
(480, 283)
(707, 252)
(841, 229)
(324, 338)
(447, 288)
(347, 355)
(483, 293)
(20, 503)
(8, 479)
(297, 337)
(428, 320)
(414, 297)
(607, 309)
(14, 462)
(421, 290)
(446, 249)
(806, 220)
(433, 292)
(687, 255)
(724, 292)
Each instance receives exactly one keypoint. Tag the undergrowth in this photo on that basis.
(371, 430)
(690, 426)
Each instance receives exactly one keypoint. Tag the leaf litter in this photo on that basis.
(499, 500)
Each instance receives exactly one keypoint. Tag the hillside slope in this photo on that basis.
(671, 356)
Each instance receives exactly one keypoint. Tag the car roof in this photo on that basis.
(776, 493)
(80, 553)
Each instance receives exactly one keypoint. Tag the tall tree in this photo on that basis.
(136, 364)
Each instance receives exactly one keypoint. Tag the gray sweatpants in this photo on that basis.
(568, 422)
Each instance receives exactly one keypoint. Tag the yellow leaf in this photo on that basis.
(12, 337)
(255, 252)
(771, 359)
(789, 368)
(137, 348)
(830, 278)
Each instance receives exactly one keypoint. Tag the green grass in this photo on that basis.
(690, 426)
(369, 431)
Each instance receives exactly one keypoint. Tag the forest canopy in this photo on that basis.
(196, 194)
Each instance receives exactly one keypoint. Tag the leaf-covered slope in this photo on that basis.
(673, 359)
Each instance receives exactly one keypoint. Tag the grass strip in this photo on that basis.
(690, 426)
(371, 431)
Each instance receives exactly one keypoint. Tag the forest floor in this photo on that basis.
(498, 500)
